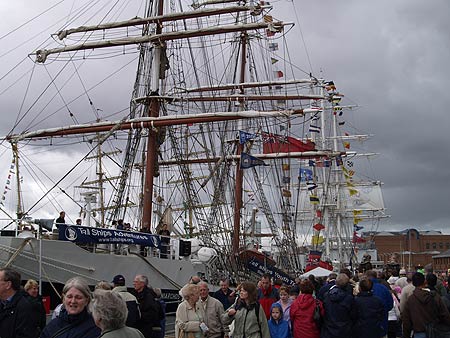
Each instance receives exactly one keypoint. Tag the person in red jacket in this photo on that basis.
(267, 294)
(302, 312)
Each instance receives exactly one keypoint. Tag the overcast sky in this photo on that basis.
(389, 57)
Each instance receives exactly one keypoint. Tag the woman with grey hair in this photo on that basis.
(74, 320)
(110, 314)
(189, 316)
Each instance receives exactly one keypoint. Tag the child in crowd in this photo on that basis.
(278, 327)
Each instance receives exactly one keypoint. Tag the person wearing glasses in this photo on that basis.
(16, 311)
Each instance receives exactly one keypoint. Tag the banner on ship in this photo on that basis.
(258, 267)
(82, 234)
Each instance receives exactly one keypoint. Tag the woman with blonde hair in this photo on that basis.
(74, 320)
(110, 314)
(189, 316)
(32, 294)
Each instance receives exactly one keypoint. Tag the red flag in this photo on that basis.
(318, 226)
(273, 143)
(357, 239)
(319, 214)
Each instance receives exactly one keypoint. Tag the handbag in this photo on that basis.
(317, 316)
(184, 334)
(436, 330)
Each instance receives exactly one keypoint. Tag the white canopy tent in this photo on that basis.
(317, 272)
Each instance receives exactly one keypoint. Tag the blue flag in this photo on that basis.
(244, 136)
(249, 161)
(305, 174)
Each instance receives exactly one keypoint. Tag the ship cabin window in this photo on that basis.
(434, 246)
(428, 246)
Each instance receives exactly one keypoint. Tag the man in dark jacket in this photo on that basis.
(422, 307)
(382, 292)
(134, 313)
(151, 311)
(267, 295)
(339, 310)
(225, 295)
(16, 312)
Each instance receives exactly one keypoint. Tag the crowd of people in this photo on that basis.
(368, 305)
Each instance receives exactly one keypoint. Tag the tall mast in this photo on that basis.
(152, 112)
(19, 210)
(240, 147)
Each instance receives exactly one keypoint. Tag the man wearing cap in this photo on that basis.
(134, 315)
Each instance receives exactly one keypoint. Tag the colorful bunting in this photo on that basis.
(318, 226)
(249, 161)
(244, 136)
(314, 129)
(314, 199)
(278, 73)
(305, 174)
(273, 46)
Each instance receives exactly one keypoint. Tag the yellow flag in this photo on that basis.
(316, 240)
(352, 191)
(286, 193)
(286, 166)
(357, 212)
(356, 220)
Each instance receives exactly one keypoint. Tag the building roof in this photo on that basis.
(443, 254)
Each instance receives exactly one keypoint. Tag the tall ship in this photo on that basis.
(245, 156)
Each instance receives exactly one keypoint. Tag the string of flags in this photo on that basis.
(8, 182)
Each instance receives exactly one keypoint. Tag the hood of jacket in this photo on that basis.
(305, 301)
(336, 294)
(424, 296)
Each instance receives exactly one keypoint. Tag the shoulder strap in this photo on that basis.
(257, 306)
(64, 329)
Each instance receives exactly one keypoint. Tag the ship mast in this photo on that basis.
(19, 210)
(153, 111)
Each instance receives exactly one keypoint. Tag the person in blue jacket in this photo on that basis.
(382, 292)
(278, 327)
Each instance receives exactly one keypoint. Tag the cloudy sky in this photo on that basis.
(391, 58)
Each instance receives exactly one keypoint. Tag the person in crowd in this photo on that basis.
(267, 295)
(213, 310)
(120, 225)
(190, 316)
(394, 316)
(439, 286)
(78, 221)
(285, 302)
(32, 294)
(104, 285)
(110, 313)
(294, 291)
(74, 320)
(316, 283)
(331, 280)
(225, 295)
(302, 312)
(381, 291)
(351, 282)
(422, 308)
(163, 305)
(402, 280)
(195, 279)
(151, 312)
(339, 310)
(16, 312)
(248, 315)
(369, 311)
(165, 240)
(407, 291)
(134, 314)
(61, 219)
(278, 327)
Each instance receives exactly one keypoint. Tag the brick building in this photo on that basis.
(410, 247)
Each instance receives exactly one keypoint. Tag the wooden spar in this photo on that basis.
(159, 19)
(240, 86)
(232, 98)
(231, 158)
(152, 122)
(42, 54)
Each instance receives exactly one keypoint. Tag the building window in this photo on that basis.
(428, 246)
(441, 245)
(434, 245)
(447, 245)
